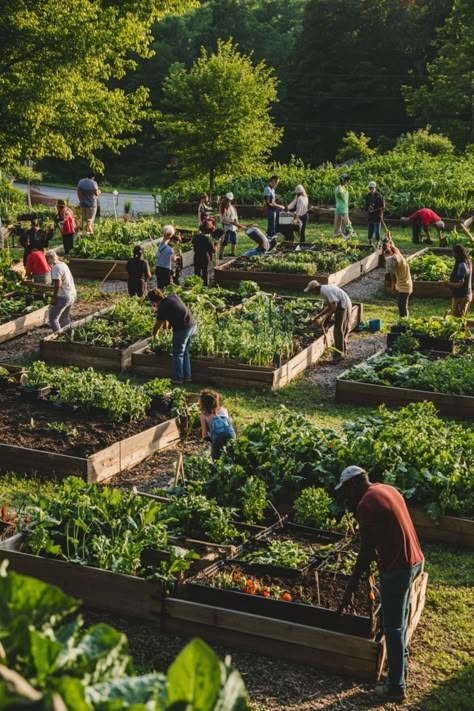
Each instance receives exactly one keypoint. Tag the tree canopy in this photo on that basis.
(59, 67)
(219, 113)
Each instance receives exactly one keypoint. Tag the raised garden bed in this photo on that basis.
(230, 373)
(426, 288)
(231, 273)
(435, 334)
(365, 393)
(96, 450)
(445, 529)
(22, 322)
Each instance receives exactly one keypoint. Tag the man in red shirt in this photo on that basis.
(387, 535)
(422, 219)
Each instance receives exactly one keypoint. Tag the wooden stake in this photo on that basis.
(316, 579)
(108, 274)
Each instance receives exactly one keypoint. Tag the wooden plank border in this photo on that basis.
(231, 373)
(446, 529)
(23, 324)
(224, 275)
(100, 466)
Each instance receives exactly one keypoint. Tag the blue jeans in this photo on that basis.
(395, 590)
(60, 312)
(374, 231)
(253, 252)
(272, 222)
(181, 358)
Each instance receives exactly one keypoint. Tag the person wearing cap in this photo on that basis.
(273, 208)
(64, 219)
(374, 206)
(230, 224)
(204, 251)
(165, 258)
(139, 273)
(64, 293)
(341, 215)
(300, 205)
(387, 535)
(398, 269)
(422, 220)
(261, 240)
(338, 304)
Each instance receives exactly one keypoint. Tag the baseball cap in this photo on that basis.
(299, 189)
(345, 176)
(349, 473)
(440, 225)
(312, 285)
(229, 196)
(372, 184)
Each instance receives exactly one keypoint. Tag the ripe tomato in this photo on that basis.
(371, 596)
(286, 596)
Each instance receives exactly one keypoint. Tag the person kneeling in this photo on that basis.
(215, 423)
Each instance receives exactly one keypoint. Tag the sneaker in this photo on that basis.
(177, 382)
(273, 243)
(390, 694)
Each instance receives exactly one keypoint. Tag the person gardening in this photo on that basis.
(338, 304)
(300, 206)
(388, 536)
(64, 293)
(374, 206)
(139, 273)
(341, 216)
(273, 208)
(64, 219)
(422, 220)
(260, 239)
(173, 313)
(37, 268)
(460, 282)
(215, 424)
(165, 258)
(400, 276)
(204, 250)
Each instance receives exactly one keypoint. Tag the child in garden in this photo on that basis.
(65, 221)
(215, 423)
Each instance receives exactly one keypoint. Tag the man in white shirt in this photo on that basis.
(339, 304)
(273, 207)
(64, 294)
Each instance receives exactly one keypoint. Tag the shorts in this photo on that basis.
(229, 236)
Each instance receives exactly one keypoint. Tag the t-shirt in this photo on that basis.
(36, 263)
(164, 255)
(256, 234)
(175, 311)
(203, 211)
(88, 189)
(230, 215)
(341, 194)
(427, 216)
(384, 519)
(269, 195)
(377, 202)
(461, 272)
(137, 269)
(67, 288)
(401, 269)
(203, 248)
(332, 293)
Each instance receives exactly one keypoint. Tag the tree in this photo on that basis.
(219, 120)
(356, 147)
(446, 99)
(59, 64)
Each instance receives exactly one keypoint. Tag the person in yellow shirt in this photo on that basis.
(401, 276)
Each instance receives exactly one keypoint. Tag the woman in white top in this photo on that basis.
(300, 205)
(230, 224)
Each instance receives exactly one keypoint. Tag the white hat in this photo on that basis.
(312, 285)
(372, 184)
(299, 189)
(349, 473)
(440, 225)
(229, 196)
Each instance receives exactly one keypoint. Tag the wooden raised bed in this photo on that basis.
(231, 373)
(86, 355)
(369, 394)
(446, 529)
(23, 324)
(427, 343)
(346, 654)
(226, 276)
(118, 457)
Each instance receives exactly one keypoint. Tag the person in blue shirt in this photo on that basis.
(165, 258)
(215, 424)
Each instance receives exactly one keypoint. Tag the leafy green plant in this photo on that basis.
(48, 660)
(61, 428)
(254, 499)
(16, 306)
(288, 554)
(314, 508)
(406, 343)
(430, 267)
(449, 327)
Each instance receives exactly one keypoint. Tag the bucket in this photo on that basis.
(375, 324)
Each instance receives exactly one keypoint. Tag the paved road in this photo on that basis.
(140, 203)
